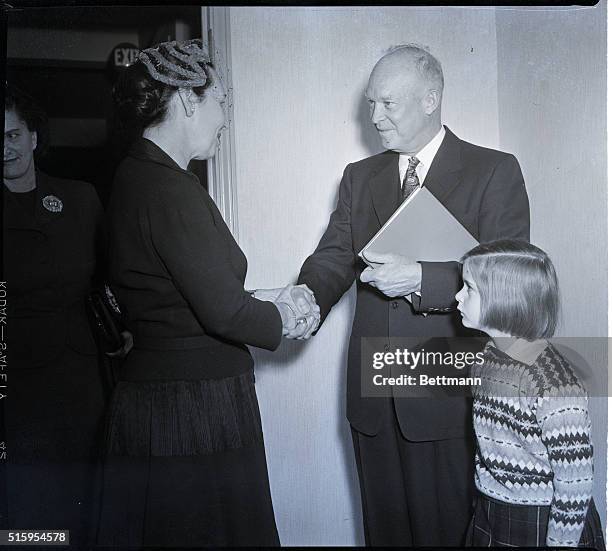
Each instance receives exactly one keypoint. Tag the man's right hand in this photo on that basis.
(393, 275)
(299, 310)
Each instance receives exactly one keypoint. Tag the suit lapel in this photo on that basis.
(384, 185)
(444, 175)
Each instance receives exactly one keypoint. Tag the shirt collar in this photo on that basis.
(525, 351)
(426, 154)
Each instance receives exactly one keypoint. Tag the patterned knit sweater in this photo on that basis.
(534, 438)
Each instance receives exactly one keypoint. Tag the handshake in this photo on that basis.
(297, 307)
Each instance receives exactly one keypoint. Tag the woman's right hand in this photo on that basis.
(298, 310)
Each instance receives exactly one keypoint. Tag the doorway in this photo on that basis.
(68, 58)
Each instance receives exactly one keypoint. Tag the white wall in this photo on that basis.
(299, 76)
(552, 101)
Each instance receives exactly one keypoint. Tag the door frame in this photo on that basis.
(216, 33)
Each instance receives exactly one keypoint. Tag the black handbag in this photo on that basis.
(105, 319)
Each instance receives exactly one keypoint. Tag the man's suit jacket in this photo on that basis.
(484, 189)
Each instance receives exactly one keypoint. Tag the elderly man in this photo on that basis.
(414, 456)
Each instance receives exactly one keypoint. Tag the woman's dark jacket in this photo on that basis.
(176, 269)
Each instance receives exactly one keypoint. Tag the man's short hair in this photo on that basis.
(519, 291)
(427, 65)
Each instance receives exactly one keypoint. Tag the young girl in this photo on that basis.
(534, 459)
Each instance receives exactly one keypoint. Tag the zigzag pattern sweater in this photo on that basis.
(534, 438)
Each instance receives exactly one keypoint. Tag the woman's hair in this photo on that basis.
(519, 292)
(28, 110)
(143, 92)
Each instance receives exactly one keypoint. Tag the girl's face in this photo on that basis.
(469, 302)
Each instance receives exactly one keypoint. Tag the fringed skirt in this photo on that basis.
(185, 466)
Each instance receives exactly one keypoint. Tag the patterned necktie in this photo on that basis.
(411, 180)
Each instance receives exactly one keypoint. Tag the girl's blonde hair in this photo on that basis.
(519, 291)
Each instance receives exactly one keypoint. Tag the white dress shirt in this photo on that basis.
(425, 157)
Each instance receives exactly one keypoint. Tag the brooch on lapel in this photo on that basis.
(53, 203)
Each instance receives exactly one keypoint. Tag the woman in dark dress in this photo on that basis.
(53, 412)
(185, 462)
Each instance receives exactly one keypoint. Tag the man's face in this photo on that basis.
(19, 145)
(396, 108)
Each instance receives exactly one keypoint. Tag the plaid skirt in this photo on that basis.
(499, 524)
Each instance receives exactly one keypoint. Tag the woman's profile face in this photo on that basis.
(211, 118)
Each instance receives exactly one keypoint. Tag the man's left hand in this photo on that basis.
(393, 274)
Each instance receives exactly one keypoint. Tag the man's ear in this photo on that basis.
(186, 97)
(34, 137)
(431, 101)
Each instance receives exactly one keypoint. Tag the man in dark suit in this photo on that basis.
(414, 456)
